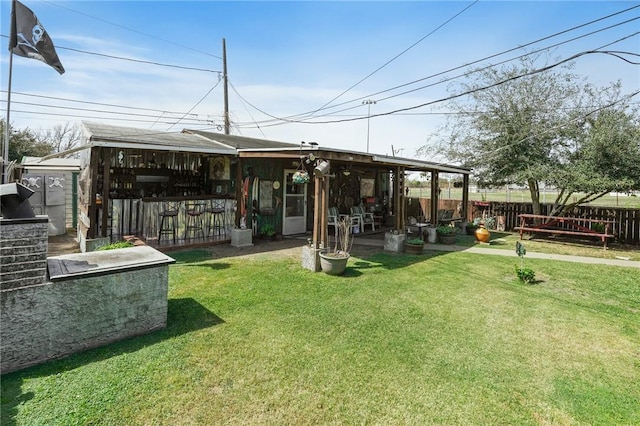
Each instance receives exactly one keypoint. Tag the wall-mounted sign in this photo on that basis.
(219, 168)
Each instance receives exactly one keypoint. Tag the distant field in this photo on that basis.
(524, 196)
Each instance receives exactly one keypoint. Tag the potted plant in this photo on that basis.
(471, 228)
(414, 245)
(268, 231)
(334, 261)
(447, 234)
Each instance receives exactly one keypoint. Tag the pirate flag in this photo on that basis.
(28, 37)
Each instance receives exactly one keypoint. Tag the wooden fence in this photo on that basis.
(626, 230)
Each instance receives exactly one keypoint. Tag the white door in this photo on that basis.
(295, 206)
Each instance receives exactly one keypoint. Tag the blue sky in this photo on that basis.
(288, 58)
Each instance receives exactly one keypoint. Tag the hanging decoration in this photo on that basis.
(301, 176)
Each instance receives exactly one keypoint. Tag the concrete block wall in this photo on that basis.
(23, 251)
(54, 319)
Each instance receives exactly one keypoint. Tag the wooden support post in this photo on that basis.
(435, 186)
(403, 200)
(318, 202)
(325, 213)
(465, 197)
(399, 199)
(239, 193)
(106, 176)
(91, 197)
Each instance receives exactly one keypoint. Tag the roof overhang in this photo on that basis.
(108, 136)
(416, 165)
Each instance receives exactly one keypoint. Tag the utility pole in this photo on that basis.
(226, 87)
(368, 102)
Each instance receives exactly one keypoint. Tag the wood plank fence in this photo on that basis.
(626, 229)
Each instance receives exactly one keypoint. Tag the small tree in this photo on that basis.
(61, 138)
(24, 143)
(525, 275)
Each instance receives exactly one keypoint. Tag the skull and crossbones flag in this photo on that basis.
(28, 37)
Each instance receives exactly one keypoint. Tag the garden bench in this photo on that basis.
(560, 225)
(445, 217)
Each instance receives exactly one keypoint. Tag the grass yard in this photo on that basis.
(589, 247)
(440, 338)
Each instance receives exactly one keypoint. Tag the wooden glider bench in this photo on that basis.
(445, 217)
(564, 226)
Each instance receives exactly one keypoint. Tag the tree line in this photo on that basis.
(28, 143)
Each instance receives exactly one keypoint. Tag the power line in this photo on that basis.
(121, 58)
(93, 117)
(291, 118)
(132, 30)
(197, 103)
(139, 60)
(396, 57)
(92, 103)
(246, 109)
(500, 63)
(346, 109)
(613, 53)
(478, 89)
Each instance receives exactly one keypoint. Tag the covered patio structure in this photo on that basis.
(341, 180)
(130, 175)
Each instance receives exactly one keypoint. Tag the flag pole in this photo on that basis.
(7, 125)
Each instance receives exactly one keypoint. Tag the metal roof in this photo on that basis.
(242, 142)
(417, 165)
(106, 135)
(51, 163)
(201, 141)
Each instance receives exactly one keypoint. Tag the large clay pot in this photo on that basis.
(333, 264)
(482, 235)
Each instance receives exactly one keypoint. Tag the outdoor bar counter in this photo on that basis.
(133, 187)
(141, 216)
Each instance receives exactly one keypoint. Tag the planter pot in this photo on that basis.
(482, 235)
(431, 235)
(413, 248)
(447, 238)
(333, 264)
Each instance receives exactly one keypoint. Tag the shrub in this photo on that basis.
(526, 275)
(415, 241)
(268, 230)
(447, 230)
(116, 245)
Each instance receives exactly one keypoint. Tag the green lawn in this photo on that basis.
(440, 338)
(590, 247)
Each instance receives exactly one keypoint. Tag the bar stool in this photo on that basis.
(169, 211)
(216, 223)
(194, 212)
